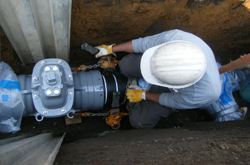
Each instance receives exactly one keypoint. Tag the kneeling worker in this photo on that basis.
(179, 66)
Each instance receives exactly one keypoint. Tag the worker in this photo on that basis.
(180, 68)
(226, 108)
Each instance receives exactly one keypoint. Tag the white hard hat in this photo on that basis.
(175, 64)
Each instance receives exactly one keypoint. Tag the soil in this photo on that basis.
(195, 143)
(223, 24)
(186, 137)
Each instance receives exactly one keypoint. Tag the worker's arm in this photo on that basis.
(176, 100)
(112, 49)
(124, 47)
(139, 45)
(136, 94)
(153, 97)
(135, 46)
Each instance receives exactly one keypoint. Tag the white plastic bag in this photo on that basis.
(225, 108)
(11, 102)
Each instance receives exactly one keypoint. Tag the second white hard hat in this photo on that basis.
(175, 64)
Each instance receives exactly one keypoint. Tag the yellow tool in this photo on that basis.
(80, 68)
(86, 114)
(114, 118)
(108, 63)
(115, 115)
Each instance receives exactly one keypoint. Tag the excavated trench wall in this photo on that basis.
(223, 24)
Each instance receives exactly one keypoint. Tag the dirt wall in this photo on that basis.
(223, 24)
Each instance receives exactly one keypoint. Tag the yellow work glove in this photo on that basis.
(104, 50)
(135, 94)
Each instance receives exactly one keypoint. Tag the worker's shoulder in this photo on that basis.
(178, 31)
(177, 34)
(175, 30)
(210, 86)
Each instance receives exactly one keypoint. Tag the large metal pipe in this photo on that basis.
(53, 90)
(94, 90)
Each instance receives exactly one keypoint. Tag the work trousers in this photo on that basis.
(144, 114)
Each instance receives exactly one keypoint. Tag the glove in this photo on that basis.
(104, 50)
(135, 94)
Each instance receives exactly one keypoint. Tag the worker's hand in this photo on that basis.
(246, 58)
(135, 94)
(104, 50)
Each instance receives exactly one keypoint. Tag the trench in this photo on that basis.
(223, 24)
(95, 126)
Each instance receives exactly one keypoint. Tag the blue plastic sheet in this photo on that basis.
(225, 108)
(11, 102)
